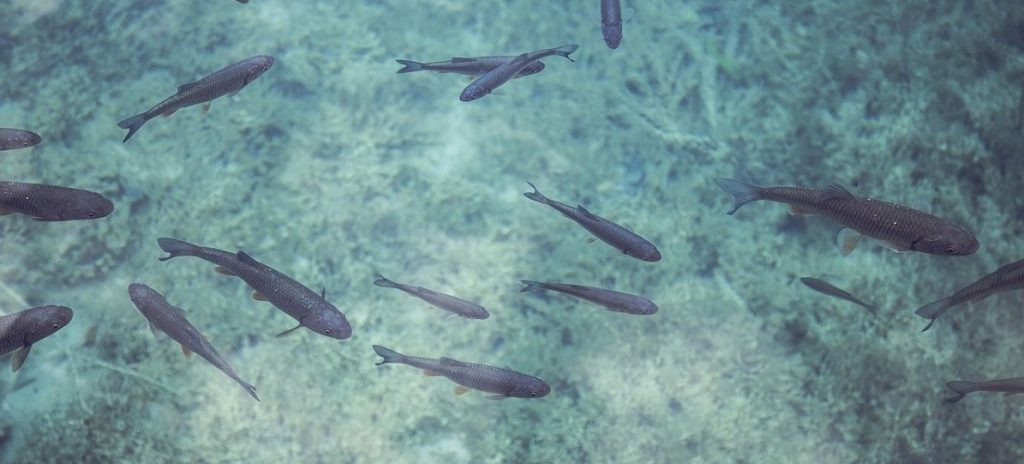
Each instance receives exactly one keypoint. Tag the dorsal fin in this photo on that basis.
(245, 258)
(459, 59)
(833, 191)
(586, 213)
(186, 87)
(448, 361)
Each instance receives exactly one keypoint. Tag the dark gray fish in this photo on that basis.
(609, 232)
(227, 81)
(172, 320)
(902, 228)
(52, 203)
(13, 139)
(306, 306)
(503, 383)
(611, 299)
(826, 288)
(1008, 277)
(611, 23)
(486, 83)
(963, 387)
(242, 1)
(469, 66)
(448, 303)
(20, 330)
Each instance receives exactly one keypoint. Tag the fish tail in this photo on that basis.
(742, 192)
(932, 311)
(566, 50)
(384, 282)
(249, 388)
(532, 286)
(175, 247)
(410, 66)
(961, 388)
(535, 195)
(389, 355)
(132, 124)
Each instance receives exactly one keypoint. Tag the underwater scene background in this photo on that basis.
(331, 168)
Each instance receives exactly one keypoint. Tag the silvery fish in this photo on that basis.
(227, 81)
(172, 320)
(1008, 277)
(609, 232)
(469, 66)
(611, 23)
(20, 330)
(52, 203)
(503, 383)
(448, 303)
(902, 228)
(486, 83)
(611, 299)
(12, 139)
(963, 387)
(826, 288)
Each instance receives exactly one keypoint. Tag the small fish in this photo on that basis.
(611, 233)
(963, 387)
(448, 303)
(901, 228)
(242, 1)
(52, 203)
(826, 288)
(469, 66)
(227, 81)
(298, 301)
(486, 83)
(611, 23)
(20, 330)
(171, 320)
(13, 139)
(503, 383)
(1008, 277)
(611, 299)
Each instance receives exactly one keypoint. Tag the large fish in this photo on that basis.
(486, 83)
(611, 233)
(1008, 277)
(469, 66)
(12, 139)
(227, 81)
(503, 383)
(900, 227)
(448, 303)
(52, 203)
(611, 23)
(20, 330)
(610, 299)
(306, 306)
(963, 387)
(172, 320)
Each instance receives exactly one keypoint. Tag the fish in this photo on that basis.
(963, 387)
(609, 232)
(312, 310)
(52, 203)
(242, 1)
(20, 330)
(610, 299)
(227, 81)
(449, 303)
(13, 139)
(611, 23)
(899, 227)
(494, 78)
(469, 66)
(500, 382)
(826, 288)
(173, 321)
(1008, 277)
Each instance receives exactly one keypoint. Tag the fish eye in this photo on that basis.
(327, 331)
(56, 326)
(951, 250)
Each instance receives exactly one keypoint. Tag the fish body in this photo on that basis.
(1008, 277)
(963, 387)
(298, 301)
(503, 383)
(902, 228)
(486, 83)
(469, 66)
(609, 232)
(226, 81)
(173, 321)
(611, 23)
(20, 330)
(449, 303)
(610, 299)
(52, 203)
(826, 288)
(13, 139)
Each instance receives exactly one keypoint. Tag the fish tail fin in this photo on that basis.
(410, 66)
(742, 192)
(532, 286)
(175, 247)
(389, 355)
(535, 195)
(384, 282)
(132, 124)
(565, 50)
(249, 388)
(932, 311)
(961, 388)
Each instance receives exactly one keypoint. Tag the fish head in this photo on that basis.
(328, 323)
(529, 387)
(950, 240)
(646, 252)
(86, 205)
(259, 65)
(612, 34)
(45, 320)
(30, 139)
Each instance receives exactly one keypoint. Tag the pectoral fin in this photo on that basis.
(4, 212)
(430, 373)
(293, 329)
(206, 108)
(19, 357)
(185, 351)
(225, 271)
(259, 296)
(797, 210)
(460, 390)
(848, 240)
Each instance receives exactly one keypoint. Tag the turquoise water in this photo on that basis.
(331, 167)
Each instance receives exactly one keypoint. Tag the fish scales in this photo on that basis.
(13, 139)
(469, 66)
(20, 330)
(486, 83)
(53, 203)
(610, 299)
(499, 381)
(448, 303)
(1007, 278)
(611, 23)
